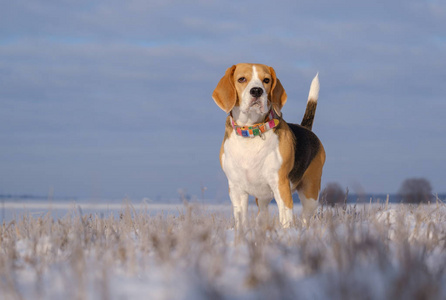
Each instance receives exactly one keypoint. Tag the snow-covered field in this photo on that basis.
(191, 251)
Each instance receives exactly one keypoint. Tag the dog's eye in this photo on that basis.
(241, 79)
(266, 80)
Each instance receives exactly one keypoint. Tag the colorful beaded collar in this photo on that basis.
(272, 120)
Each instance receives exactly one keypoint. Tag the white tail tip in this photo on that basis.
(314, 89)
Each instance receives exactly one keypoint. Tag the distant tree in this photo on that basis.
(333, 193)
(415, 190)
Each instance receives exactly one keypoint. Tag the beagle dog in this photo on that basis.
(261, 154)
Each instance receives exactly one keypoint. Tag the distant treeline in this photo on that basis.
(375, 198)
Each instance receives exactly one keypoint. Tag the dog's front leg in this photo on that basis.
(284, 200)
(262, 219)
(239, 199)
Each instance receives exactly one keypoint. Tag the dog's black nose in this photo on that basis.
(256, 92)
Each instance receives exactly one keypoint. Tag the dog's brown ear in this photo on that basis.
(277, 95)
(225, 95)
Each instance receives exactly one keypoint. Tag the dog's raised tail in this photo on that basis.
(308, 118)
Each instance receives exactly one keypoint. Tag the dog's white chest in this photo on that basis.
(252, 164)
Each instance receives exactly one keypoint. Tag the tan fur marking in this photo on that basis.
(225, 95)
(242, 70)
(286, 148)
(257, 202)
(310, 183)
(277, 96)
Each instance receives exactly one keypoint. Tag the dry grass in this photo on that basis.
(353, 252)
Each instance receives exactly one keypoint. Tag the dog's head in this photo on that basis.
(252, 87)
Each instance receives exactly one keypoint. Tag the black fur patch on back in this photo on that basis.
(306, 146)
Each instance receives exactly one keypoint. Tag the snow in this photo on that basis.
(191, 251)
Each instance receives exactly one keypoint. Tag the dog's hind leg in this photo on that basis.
(309, 187)
(309, 205)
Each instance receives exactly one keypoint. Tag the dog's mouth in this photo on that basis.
(257, 103)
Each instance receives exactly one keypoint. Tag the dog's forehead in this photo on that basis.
(263, 70)
(245, 69)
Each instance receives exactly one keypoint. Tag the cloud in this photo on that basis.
(124, 87)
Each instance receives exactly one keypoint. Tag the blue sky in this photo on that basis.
(102, 99)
